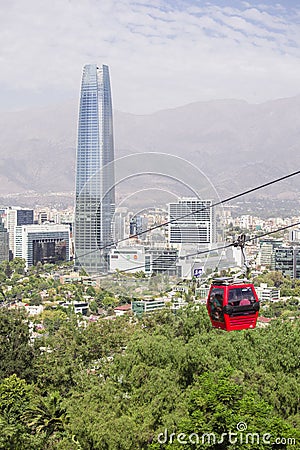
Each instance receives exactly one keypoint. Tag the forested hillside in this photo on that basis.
(129, 384)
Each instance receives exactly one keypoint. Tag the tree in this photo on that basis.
(140, 274)
(53, 319)
(16, 354)
(91, 291)
(109, 301)
(36, 299)
(47, 415)
(18, 265)
(93, 307)
(15, 398)
(38, 268)
(117, 384)
(8, 270)
(217, 404)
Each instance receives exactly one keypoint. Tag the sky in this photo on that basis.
(161, 53)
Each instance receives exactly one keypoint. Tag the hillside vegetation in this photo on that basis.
(129, 384)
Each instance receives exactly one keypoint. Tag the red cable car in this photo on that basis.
(232, 304)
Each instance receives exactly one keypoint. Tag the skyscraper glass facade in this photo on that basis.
(95, 198)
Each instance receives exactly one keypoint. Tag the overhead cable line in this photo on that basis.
(220, 202)
(203, 252)
(246, 240)
(232, 244)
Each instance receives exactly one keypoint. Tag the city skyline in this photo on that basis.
(163, 55)
(132, 241)
(94, 197)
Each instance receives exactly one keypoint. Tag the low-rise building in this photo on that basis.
(263, 322)
(123, 309)
(140, 307)
(79, 307)
(149, 260)
(129, 259)
(177, 304)
(70, 278)
(202, 293)
(267, 293)
(34, 310)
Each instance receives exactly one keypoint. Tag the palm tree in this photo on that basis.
(48, 415)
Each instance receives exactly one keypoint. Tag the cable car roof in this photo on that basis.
(226, 281)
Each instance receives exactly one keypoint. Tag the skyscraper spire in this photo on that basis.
(95, 198)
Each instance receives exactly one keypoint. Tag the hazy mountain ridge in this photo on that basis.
(236, 144)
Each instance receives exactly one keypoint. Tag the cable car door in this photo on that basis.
(215, 304)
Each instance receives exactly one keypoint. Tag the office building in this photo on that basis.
(15, 217)
(4, 243)
(149, 260)
(95, 194)
(287, 261)
(266, 255)
(43, 243)
(42, 217)
(119, 224)
(162, 261)
(138, 225)
(294, 235)
(129, 259)
(193, 222)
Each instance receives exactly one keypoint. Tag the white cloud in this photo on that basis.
(159, 55)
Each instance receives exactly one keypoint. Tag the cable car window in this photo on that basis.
(234, 297)
(247, 296)
(242, 300)
(241, 296)
(216, 304)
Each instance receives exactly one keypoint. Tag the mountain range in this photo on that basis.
(236, 144)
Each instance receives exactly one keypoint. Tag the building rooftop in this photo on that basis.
(123, 307)
(263, 319)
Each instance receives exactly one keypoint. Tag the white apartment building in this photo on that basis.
(266, 255)
(130, 259)
(15, 216)
(193, 222)
(267, 293)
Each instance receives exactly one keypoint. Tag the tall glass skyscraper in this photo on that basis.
(95, 194)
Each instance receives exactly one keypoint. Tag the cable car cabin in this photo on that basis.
(232, 305)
